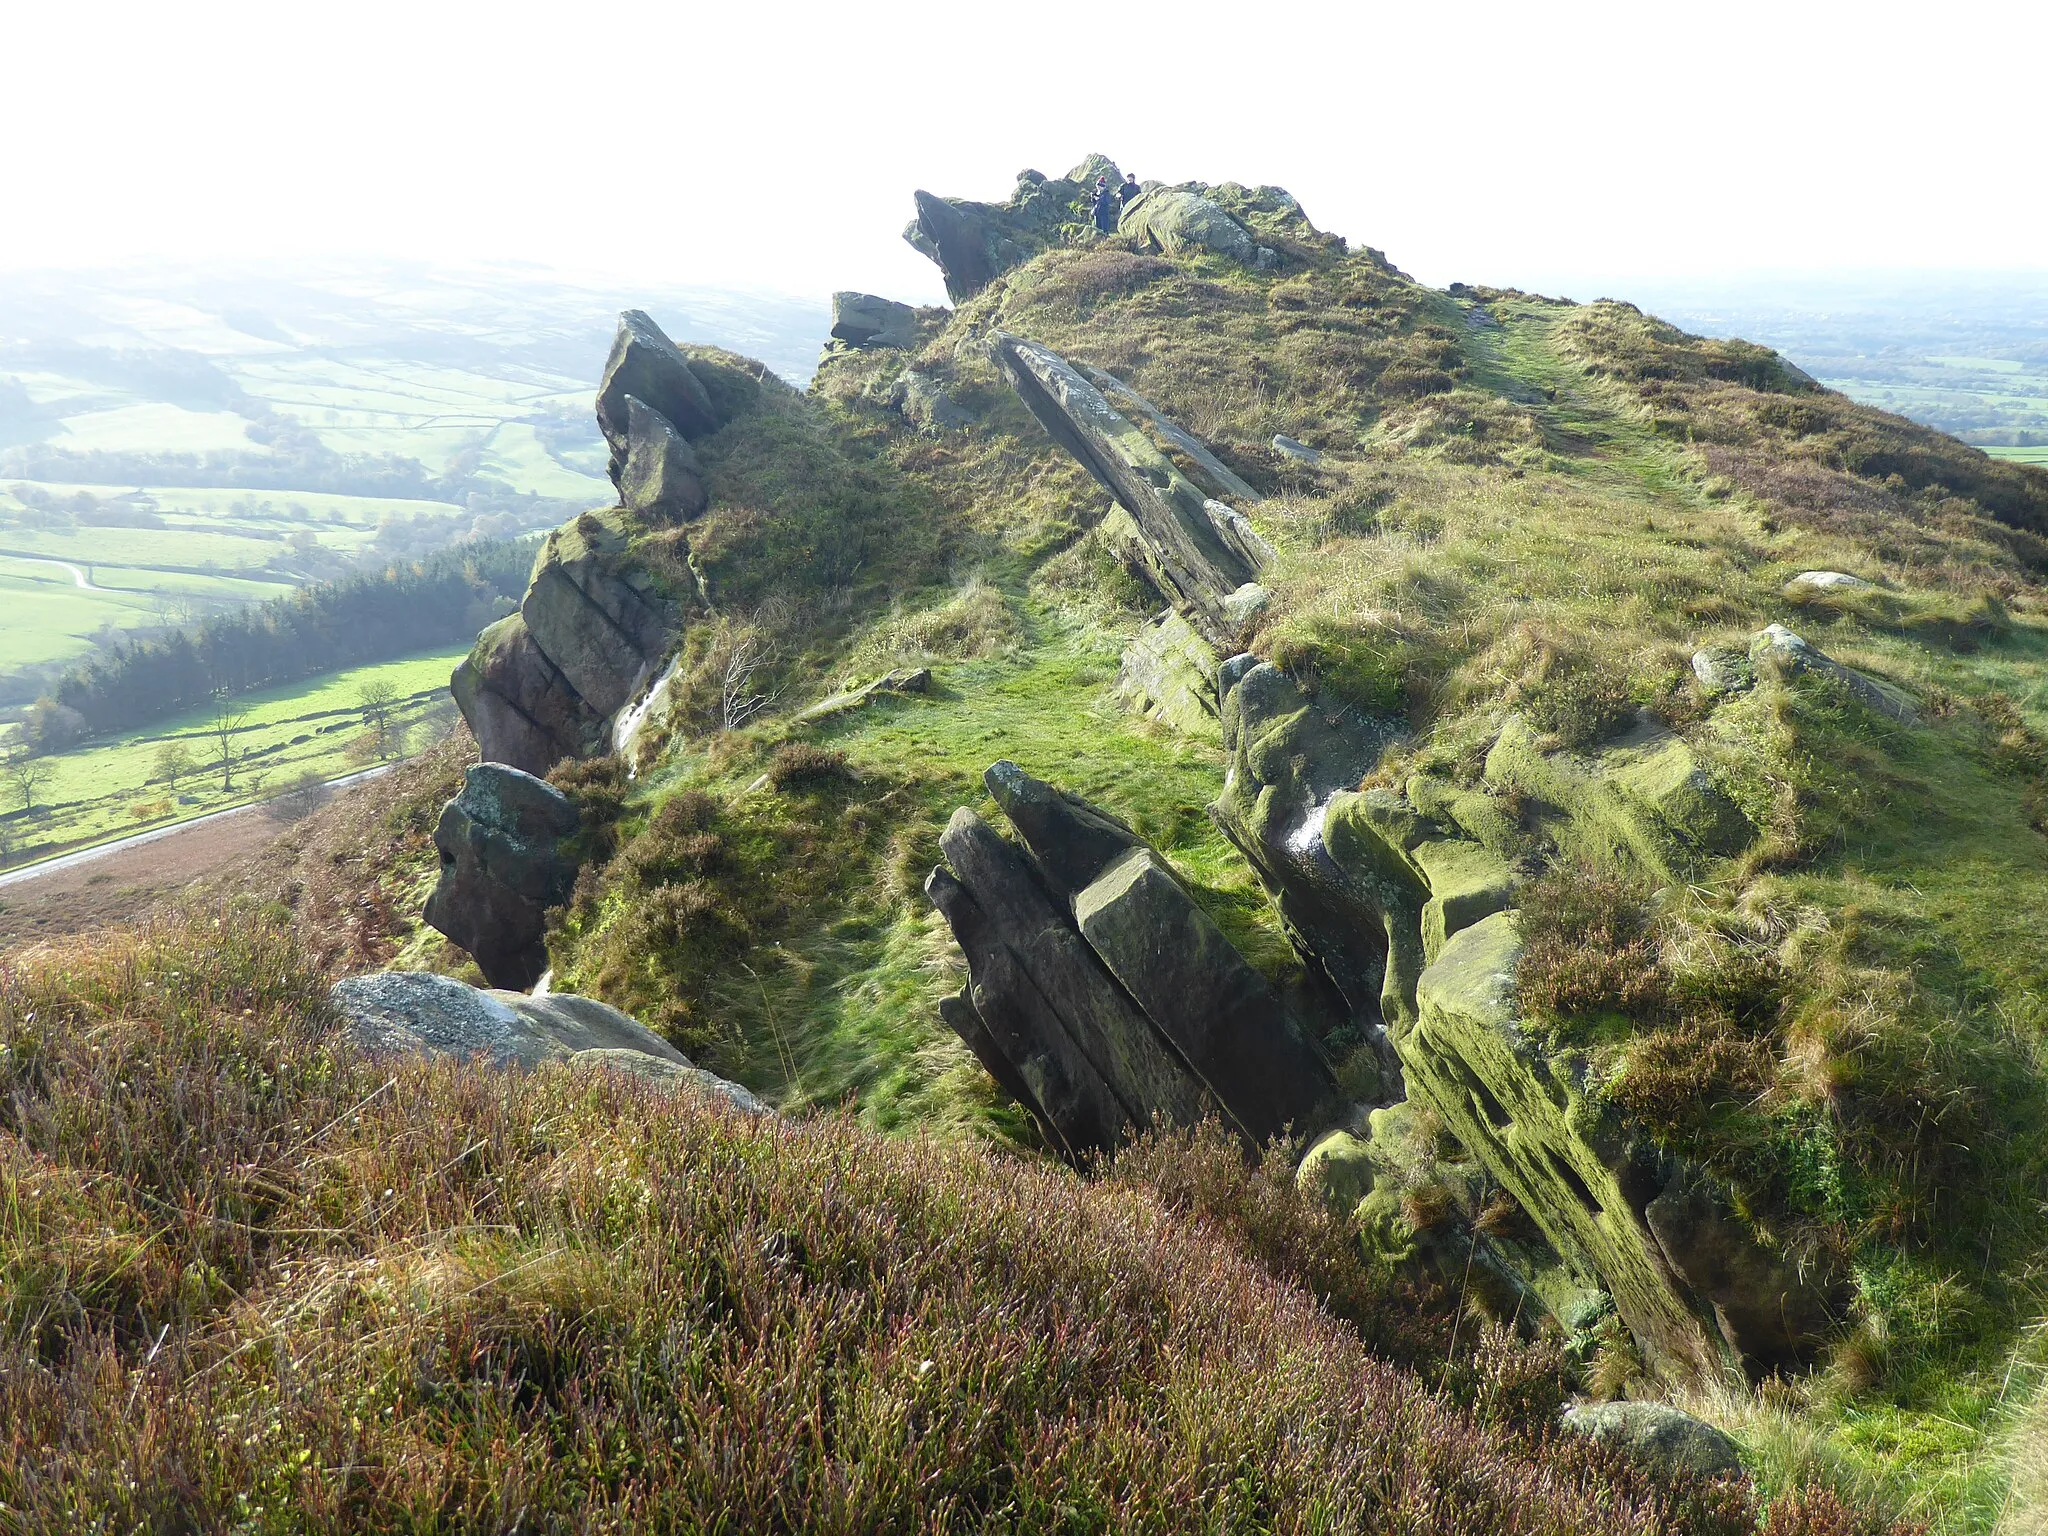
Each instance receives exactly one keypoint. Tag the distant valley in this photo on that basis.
(178, 443)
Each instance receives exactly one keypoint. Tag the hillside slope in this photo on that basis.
(1585, 780)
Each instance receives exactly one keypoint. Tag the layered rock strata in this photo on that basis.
(1101, 995)
(545, 683)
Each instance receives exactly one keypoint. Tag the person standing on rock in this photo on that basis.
(1129, 190)
(1106, 206)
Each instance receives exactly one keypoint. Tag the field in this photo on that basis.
(317, 728)
(187, 444)
(1964, 352)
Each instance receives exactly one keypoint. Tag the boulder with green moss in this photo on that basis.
(502, 868)
(974, 243)
(1169, 673)
(1645, 797)
(518, 705)
(661, 481)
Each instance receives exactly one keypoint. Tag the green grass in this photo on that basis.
(94, 792)
(2020, 455)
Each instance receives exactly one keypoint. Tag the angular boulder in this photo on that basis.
(501, 869)
(419, 1013)
(975, 243)
(863, 320)
(923, 400)
(661, 481)
(1222, 1016)
(1085, 938)
(645, 365)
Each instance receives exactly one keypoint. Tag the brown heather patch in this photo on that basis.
(251, 1280)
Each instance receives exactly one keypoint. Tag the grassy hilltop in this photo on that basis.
(1522, 516)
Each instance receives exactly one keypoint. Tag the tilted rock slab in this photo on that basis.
(1223, 480)
(1085, 951)
(1197, 550)
(501, 869)
(645, 365)
(424, 1014)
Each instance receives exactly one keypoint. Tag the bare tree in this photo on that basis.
(229, 721)
(740, 697)
(29, 774)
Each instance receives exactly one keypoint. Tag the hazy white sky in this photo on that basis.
(1562, 147)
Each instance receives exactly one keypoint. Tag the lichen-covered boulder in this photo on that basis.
(501, 869)
(421, 1013)
(1644, 797)
(1657, 1433)
(595, 613)
(661, 481)
(864, 320)
(1174, 221)
(645, 365)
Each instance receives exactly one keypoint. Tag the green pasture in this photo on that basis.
(2036, 455)
(516, 456)
(110, 788)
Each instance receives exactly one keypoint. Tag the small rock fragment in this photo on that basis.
(1295, 450)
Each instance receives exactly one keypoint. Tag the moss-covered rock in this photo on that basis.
(1169, 673)
(1644, 798)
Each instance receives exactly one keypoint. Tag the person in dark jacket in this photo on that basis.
(1128, 190)
(1106, 206)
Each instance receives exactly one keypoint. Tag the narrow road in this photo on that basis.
(77, 575)
(70, 861)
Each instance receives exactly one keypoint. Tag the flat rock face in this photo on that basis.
(660, 480)
(645, 365)
(1221, 1015)
(501, 870)
(1659, 1434)
(521, 709)
(1169, 673)
(863, 320)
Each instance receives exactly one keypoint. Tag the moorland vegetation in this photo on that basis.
(1514, 537)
